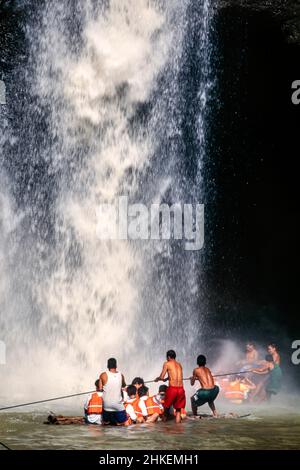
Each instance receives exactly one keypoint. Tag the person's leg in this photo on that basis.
(268, 396)
(211, 404)
(106, 418)
(153, 418)
(120, 418)
(178, 415)
(166, 414)
(194, 407)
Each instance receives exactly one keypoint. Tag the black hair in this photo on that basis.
(171, 354)
(97, 383)
(131, 390)
(273, 346)
(138, 381)
(201, 360)
(162, 388)
(269, 358)
(112, 363)
(143, 390)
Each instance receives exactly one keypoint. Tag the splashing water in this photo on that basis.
(106, 95)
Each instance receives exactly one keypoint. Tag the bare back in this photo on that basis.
(251, 356)
(203, 374)
(174, 371)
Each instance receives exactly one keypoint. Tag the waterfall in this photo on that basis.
(105, 113)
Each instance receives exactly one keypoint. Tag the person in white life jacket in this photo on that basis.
(93, 407)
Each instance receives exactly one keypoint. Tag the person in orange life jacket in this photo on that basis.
(93, 407)
(137, 382)
(155, 407)
(131, 405)
(141, 409)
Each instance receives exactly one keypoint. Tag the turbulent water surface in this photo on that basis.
(262, 430)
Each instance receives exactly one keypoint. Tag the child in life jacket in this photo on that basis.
(93, 407)
(137, 382)
(131, 406)
(141, 410)
(154, 405)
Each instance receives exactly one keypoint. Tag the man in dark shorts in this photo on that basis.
(175, 394)
(208, 391)
(112, 382)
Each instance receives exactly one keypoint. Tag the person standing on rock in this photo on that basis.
(175, 394)
(112, 382)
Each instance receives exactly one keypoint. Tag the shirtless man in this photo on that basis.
(112, 382)
(175, 394)
(251, 355)
(208, 391)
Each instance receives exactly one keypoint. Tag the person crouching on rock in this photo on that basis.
(208, 391)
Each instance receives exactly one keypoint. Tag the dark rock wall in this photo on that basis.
(285, 12)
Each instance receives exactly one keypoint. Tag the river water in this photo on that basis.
(266, 428)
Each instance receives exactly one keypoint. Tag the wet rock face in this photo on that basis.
(286, 12)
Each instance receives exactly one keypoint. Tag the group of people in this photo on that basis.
(116, 403)
(257, 379)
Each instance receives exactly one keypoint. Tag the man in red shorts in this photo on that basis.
(175, 394)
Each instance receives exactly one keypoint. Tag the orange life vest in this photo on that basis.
(95, 404)
(153, 407)
(137, 408)
(133, 402)
(233, 391)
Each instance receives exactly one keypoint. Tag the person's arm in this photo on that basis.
(143, 408)
(131, 413)
(85, 407)
(249, 383)
(262, 371)
(163, 373)
(101, 381)
(193, 378)
(123, 381)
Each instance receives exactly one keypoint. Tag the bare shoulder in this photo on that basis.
(103, 375)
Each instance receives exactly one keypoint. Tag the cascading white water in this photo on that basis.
(98, 71)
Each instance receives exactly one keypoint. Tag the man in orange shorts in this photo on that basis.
(175, 394)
